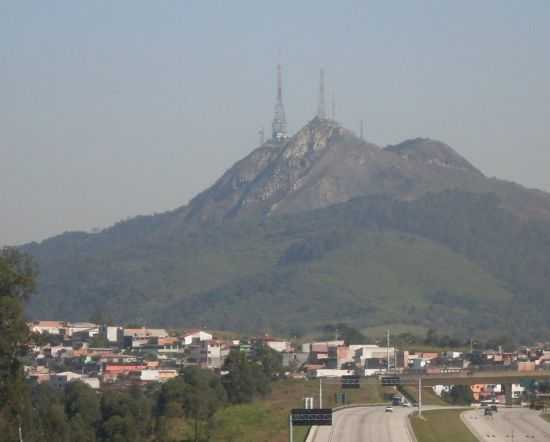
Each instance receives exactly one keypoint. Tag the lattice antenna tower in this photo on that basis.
(279, 120)
(333, 108)
(321, 111)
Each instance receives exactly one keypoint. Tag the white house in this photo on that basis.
(85, 328)
(111, 333)
(196, 334)
(50, 327)
(149, 376)
(145, 332)
(279, 346)
(60, 380)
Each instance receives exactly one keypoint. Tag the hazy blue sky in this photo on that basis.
(110, 109)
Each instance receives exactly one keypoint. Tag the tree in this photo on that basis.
(270, 361)
(343, 331)
(50, 422)
(171, 398)
(17, 276)
(239, 382)
(431, 337)
(204, 395)
(126, 416)
(82, 410)
(459, 395)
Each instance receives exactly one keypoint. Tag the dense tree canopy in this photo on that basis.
(16, 283)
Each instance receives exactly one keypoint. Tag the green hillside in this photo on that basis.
(380, 277)
(454, 261)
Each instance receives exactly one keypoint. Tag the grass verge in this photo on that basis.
(428, 395)
(267, 419)
(441, 425)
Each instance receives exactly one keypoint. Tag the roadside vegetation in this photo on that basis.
(441, 425)
(267, 419)
(428, 396)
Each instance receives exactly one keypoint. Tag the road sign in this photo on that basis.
(315, 416)
(391, 380)
(350, 381)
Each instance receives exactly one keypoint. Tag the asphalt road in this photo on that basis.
(508, 424)
(365, 424)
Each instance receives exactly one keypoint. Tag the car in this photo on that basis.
(389, 409)
(406, 404)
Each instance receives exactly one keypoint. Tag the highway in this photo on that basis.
(365, 424)
(508, 424)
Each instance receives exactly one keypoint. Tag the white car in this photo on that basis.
(389, 409)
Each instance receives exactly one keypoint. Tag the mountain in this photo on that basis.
(325, 164)
(320, 228)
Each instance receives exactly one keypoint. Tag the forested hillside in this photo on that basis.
(322, 227)
(454, 260)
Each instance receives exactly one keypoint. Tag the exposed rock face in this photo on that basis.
(325, 164)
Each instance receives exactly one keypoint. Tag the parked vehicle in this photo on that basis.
(389, 409)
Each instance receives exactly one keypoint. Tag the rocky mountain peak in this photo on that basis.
(312, 138)
(433, 153)
(325, 164)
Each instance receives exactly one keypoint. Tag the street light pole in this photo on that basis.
(388, 350)
(320, 392)
(290, 430)
(420, 396)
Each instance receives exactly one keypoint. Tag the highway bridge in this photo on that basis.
(476, 377)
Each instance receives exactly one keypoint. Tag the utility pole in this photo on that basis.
(361, 134)
(20, 429)
(320, 392)
(388, 350)
(420, 396)
(290, 429)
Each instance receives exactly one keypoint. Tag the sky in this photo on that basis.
(113, 109)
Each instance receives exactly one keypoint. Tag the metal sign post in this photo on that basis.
(420, 396)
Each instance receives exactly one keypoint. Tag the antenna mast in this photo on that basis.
(279, 120)
(321, 113)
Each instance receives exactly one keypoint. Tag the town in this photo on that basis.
(108, 356)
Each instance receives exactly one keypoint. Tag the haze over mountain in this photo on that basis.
(321, 227)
